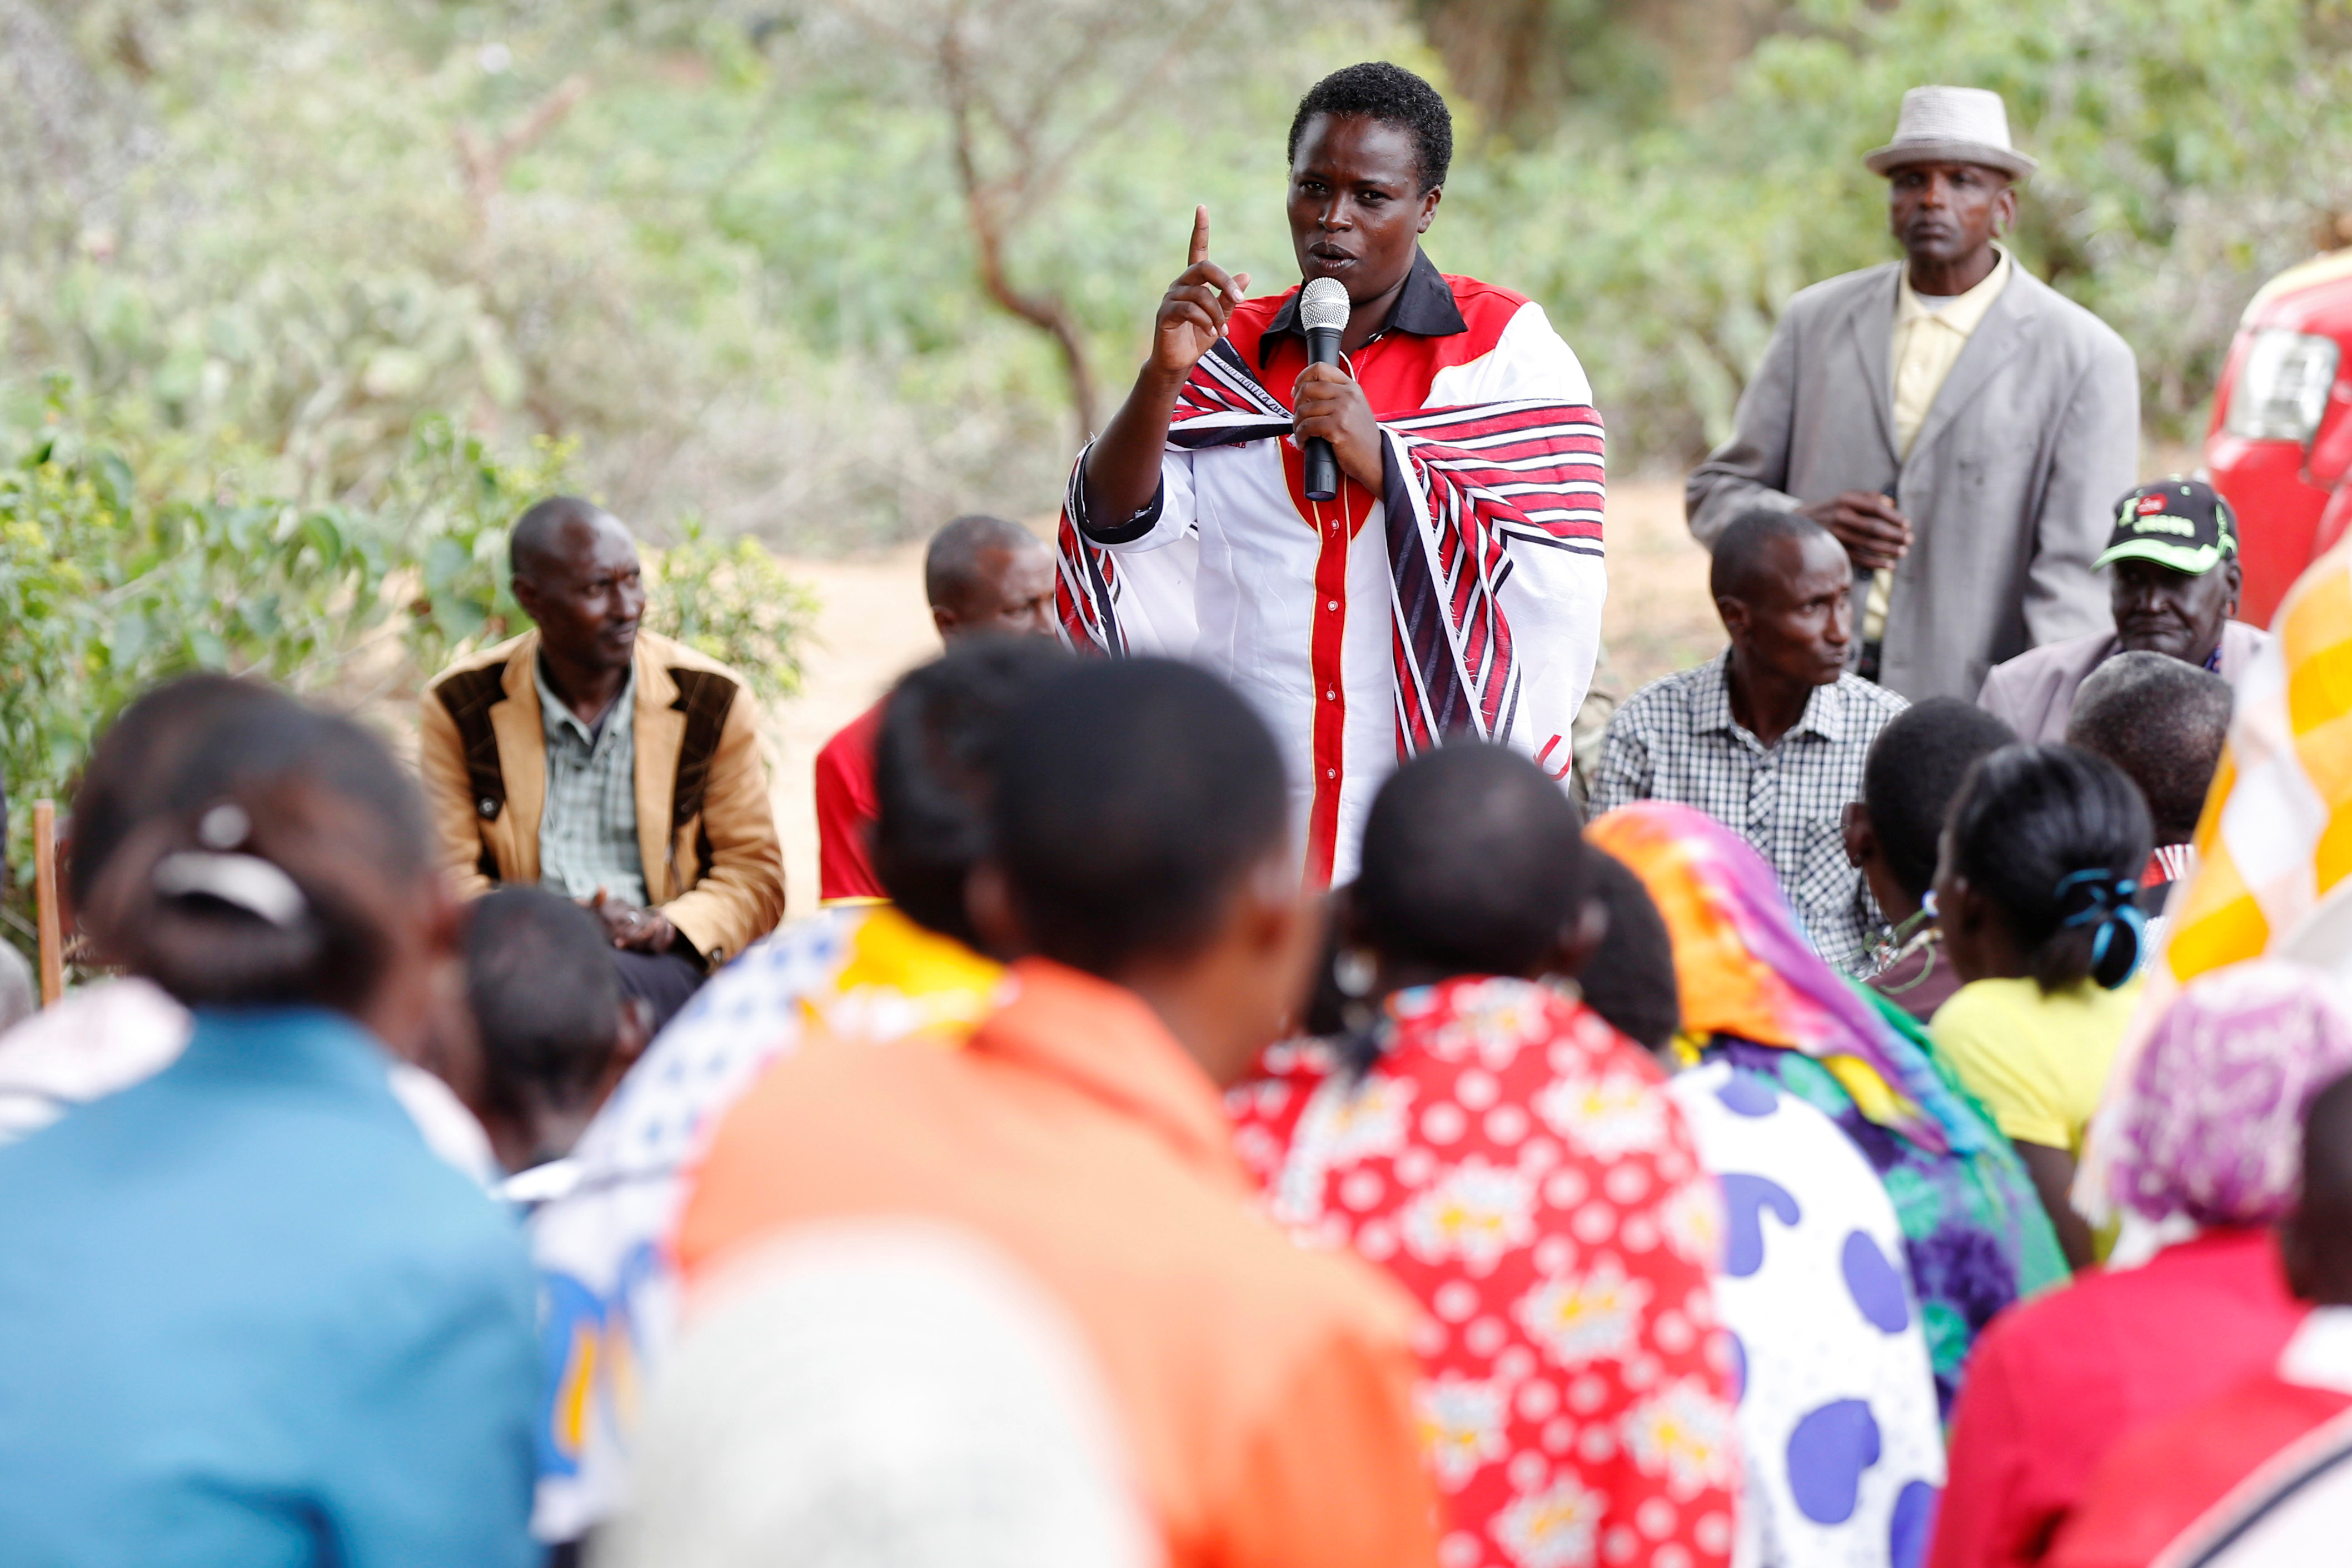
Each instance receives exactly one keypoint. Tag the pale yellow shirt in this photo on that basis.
(1927, 342)
(2038, 1060)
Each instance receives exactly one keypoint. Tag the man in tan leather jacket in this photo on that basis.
(606, 762)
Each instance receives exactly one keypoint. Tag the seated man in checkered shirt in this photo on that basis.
(1768, 738)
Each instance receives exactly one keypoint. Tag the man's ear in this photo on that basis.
(2005, 211)
(944, 620)
(1429, 200)
(526, 595)
(2236, 582)
(996, 918)
(1580, 939)
(1734, 613)
(1861, 837)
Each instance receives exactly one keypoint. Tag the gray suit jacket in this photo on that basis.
(2032, 439)
(2034, 693)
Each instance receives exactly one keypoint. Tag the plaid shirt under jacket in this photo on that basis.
(588, 827)
(1676, 740)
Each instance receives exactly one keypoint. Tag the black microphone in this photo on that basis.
(1323, 311)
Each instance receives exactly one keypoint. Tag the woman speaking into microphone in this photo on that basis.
(1448, 579)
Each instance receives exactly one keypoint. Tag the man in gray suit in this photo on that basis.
(1959, 425)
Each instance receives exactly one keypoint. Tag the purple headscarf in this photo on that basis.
(2211, 1124)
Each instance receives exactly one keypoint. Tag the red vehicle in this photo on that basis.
(2281, 443)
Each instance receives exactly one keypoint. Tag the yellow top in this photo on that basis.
(2038, 1061)
(1927, 343)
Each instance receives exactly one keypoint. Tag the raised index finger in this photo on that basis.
(1200, 234)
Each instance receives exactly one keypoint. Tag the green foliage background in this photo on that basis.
(281, 354)
(738, 274)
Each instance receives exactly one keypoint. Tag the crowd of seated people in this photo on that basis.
(482, 1170)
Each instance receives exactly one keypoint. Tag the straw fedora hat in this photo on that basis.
(1951, 125)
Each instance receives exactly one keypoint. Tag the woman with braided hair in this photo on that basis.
(2034, 896)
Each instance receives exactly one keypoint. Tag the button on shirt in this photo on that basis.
(588, 827)
(1290, 599)
(1929, 333)
(1676, 740)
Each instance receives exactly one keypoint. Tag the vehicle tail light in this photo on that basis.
(2283, 390)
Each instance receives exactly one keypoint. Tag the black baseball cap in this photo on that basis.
(2176, 522)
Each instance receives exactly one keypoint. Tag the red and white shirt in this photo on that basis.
(1294, 601)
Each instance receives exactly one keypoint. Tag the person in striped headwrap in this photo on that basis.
(1756, 995)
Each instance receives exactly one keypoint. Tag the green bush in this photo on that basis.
(2190, 148)
(105, 590)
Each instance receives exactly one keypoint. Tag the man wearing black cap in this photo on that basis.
(2174, 550)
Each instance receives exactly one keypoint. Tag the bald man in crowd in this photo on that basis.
(610, 763)
(1769, 737)
(2163, 721)
(984, 577)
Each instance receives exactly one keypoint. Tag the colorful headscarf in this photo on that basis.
(2209, 1126)
(2276, 834)
(1744, 968)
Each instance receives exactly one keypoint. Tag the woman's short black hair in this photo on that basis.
(1630, 978)
(140, 762)
(1474, 864)
(1394, 95)
(264, 853)
(545, 996)
(1133, 797)
(933, 771)
(1914, 771)
(2048, 834)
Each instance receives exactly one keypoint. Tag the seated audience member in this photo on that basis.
(1754, 995)
(249, 1316)
(874, 972)
(111, 1034)
(2163, 722)
(2175, 586)
(2247, 1469)
(761, 1444)
(1894, 830)
(2208, 1129)
(1141, 857)
(1768, 738)
(984, 577)
(1837, 1402)
(1513, 1162)
(2034, 896)
(614, 766)
(556, 1033)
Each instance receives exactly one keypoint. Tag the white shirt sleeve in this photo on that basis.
(1555, 592)
(1152, 575)
(1178, 511)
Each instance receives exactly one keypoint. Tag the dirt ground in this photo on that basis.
(872, 625)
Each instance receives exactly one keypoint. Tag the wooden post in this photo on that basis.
(44, 895)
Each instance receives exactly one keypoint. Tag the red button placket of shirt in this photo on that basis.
(1336, 523)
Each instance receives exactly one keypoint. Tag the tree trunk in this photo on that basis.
(988, 205)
